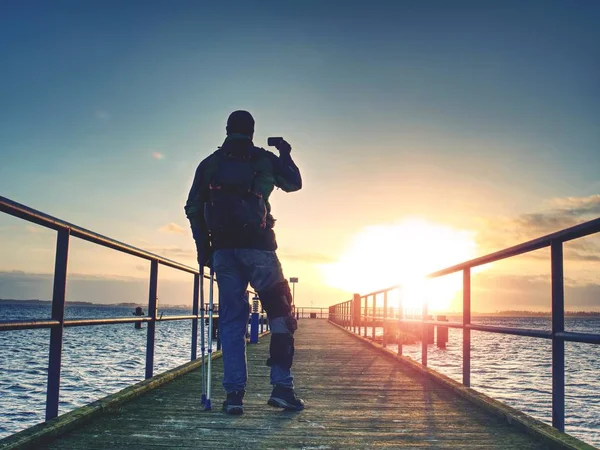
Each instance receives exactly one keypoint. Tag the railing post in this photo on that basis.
(558, 344)
(152, 310)
(356, 313)
(349, 314)
(195, 302)
(366, 318)
(58, 313)
(466, 331)
(385, 306)
(374, 314)
(424, 333)
(347, 321)
(400, 317)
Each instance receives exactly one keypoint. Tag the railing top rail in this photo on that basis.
(568, 234)
(24, 212)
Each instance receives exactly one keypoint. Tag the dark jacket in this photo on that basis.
(271, 171)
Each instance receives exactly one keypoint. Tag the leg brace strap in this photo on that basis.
(277, 300)
(282, 350)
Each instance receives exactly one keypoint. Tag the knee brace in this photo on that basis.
(281, 350)
(277, 300)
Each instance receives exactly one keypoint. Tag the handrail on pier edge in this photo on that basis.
(355, 314)
(57, 322)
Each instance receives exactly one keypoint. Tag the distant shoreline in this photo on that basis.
(507, 313)
(35, 302)
(510, 313)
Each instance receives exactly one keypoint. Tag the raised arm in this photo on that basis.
(287, 174)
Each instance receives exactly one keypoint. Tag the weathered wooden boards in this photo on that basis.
(355, 396)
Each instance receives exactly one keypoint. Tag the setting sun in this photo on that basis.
(403, 253)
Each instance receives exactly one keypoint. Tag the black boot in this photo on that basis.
(234, 404)
(285, 397)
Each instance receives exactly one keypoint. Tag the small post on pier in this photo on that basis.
(400, 318)
(430, 331)
(558, 343)
(385, 327)
(59, 293)
(138, 313)
(466, 330)
(152, 310)
(294, 280)
(373, 324)
(424, 333)
(254, 321)
(366, 318)
(442, 333)
(356, 313)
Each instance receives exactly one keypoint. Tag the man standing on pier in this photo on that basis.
(230, 216)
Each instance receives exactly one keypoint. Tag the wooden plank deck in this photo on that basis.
(356, 398)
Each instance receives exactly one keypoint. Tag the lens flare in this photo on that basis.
(403, 253)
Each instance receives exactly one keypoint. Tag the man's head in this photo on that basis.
(240, 122)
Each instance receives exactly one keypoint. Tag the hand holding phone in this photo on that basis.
(280, 144)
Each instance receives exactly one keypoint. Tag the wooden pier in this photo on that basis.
(356, 397)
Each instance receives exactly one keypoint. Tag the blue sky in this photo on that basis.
(455, 112)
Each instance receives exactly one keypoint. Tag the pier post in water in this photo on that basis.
(430, 331)
(138, 312)
(442, 333)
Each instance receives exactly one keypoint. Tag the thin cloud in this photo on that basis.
(172, 228)
(501, 232)
(578, 206)
(308, 257)
(158, 155)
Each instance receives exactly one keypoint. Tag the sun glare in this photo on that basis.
(403, 253)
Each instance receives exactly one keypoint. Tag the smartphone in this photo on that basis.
(273, 141)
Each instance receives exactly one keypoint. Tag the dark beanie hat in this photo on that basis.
(240, 122)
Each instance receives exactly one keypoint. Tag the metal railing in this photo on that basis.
(356, 314)
(306, 312)
(57, 322)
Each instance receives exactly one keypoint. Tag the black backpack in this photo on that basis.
(235, 206)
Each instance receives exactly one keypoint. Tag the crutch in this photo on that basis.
(202, 342)
(207, 405)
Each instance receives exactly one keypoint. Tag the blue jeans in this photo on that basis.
(235, 268)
